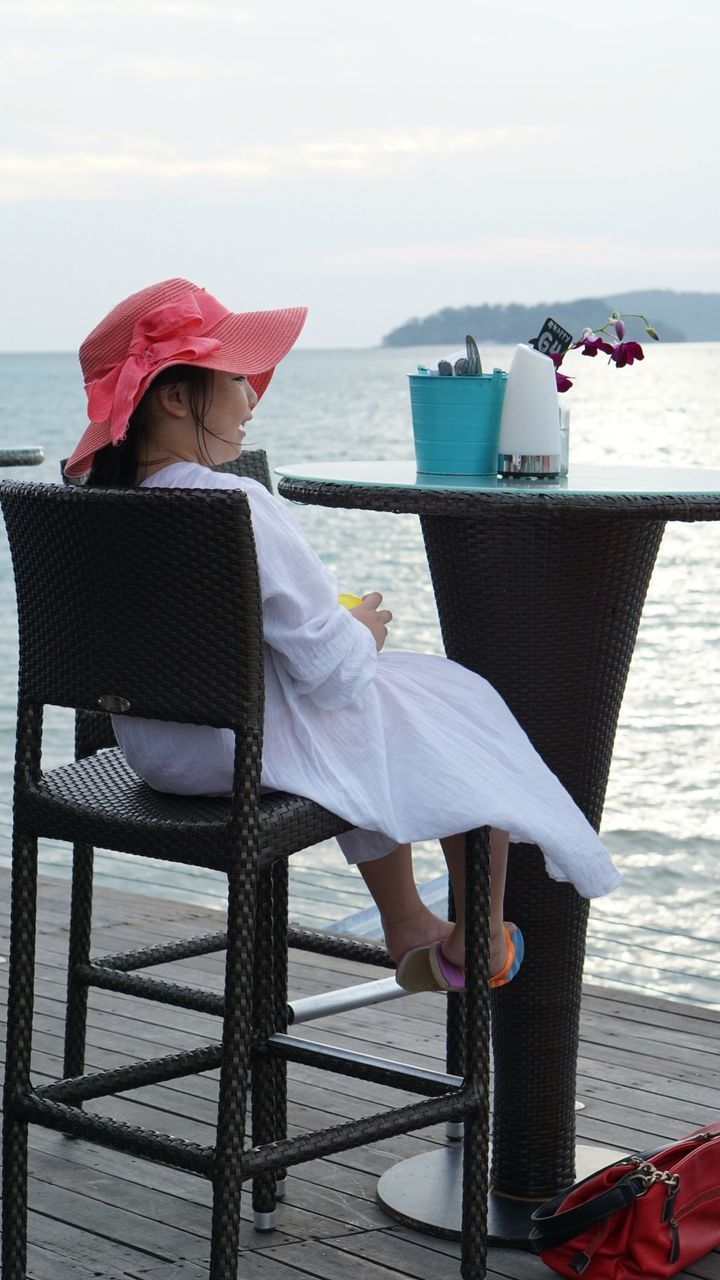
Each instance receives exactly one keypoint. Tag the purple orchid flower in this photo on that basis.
(626, 353)
(562, 382)
(591, 343)
(610, 339)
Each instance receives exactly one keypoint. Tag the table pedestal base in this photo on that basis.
(426, 1193)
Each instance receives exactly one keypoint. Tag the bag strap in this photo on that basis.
(551, 1227)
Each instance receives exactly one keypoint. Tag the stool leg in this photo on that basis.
(237, 1027)
(263, 1079)
(473, 1259)
(17, 1066)
(280, 874)
(78, 954)
(454, 1037)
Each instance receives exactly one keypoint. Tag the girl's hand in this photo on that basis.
(375, 619)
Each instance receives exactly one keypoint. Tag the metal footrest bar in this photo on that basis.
(130, 1138)
(136, 1075)
(356, 997)
(163, 953)
(131, 984)
(304, 1010)
(395, 1075)
(357, 1133)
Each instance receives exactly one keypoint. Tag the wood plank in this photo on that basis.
(46, 1264)
(414, 1259)
(673, 1018)
(652, 1002)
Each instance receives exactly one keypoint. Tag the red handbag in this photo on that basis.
(643, 1218)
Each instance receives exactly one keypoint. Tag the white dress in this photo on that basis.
(406, 746)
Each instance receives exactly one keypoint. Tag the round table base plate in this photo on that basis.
(425, 1193)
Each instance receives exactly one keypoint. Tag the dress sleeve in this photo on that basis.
(326, 653)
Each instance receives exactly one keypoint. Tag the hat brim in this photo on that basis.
(251, 343)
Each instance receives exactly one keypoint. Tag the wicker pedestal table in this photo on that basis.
(539, 587)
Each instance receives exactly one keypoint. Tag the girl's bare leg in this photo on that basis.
(454, 945)
(406, 921)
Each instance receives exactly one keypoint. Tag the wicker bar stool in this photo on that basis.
(118, 592)
(94, 732)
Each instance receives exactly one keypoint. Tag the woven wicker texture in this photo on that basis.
(100, 801)
(94, 730)
(461, 504)
(542, 594)
(93, 633)
(121, 592)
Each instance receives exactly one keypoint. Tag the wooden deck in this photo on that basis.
(648, 1072)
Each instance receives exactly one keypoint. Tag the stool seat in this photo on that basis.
(100, 801)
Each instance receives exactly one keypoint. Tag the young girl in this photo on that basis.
(405, 746)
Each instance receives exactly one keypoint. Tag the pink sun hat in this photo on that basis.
(173, 322)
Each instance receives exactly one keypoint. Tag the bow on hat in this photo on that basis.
(167, 334)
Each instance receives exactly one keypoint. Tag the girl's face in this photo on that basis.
(233, 401)
(175, 433)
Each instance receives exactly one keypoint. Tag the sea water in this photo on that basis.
(659, 932)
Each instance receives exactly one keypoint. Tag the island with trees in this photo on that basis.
(678, 317)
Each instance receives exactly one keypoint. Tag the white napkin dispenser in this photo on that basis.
(529, 443)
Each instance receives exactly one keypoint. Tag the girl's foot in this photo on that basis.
(418, 930)
(453, 948)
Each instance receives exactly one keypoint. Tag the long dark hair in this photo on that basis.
(116, 465)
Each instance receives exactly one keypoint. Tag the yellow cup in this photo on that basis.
(348, 600)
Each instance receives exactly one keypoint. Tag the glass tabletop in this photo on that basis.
(581, 479)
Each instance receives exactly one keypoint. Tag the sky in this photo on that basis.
(375, 161)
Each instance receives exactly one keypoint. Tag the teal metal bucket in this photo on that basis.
(456, 423)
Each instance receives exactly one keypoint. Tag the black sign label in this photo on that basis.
(552, 338)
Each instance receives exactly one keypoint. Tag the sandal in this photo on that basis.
(427, 969)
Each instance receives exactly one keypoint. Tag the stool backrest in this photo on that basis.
(93, 729)
(251, 462)
(143, 601)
